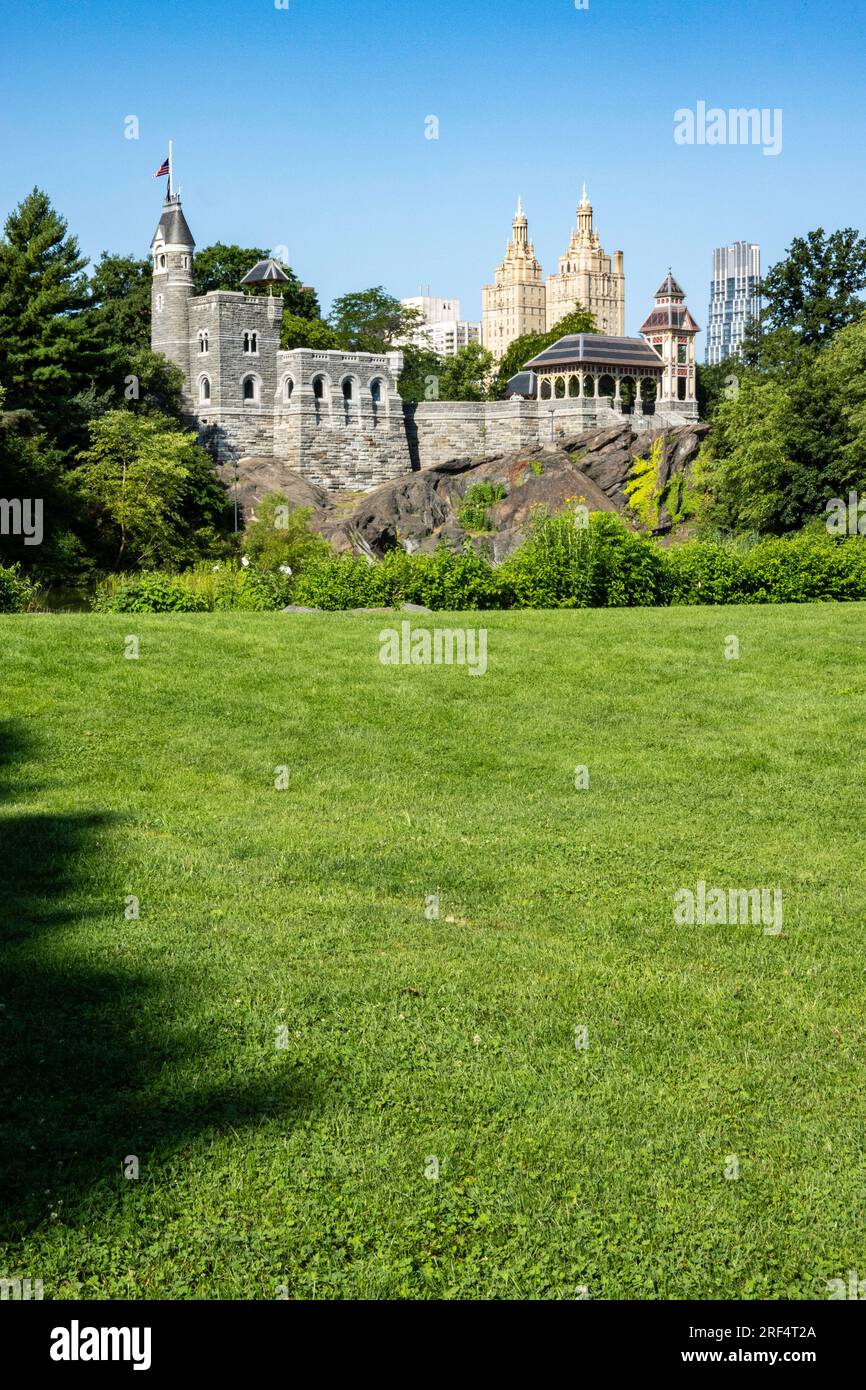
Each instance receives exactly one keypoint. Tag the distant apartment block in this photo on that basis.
(443, 329)
(734, 298)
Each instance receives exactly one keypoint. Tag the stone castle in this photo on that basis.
(337, 417)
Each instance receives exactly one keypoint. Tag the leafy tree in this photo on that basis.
(120, 303)
(152, 490)
(523, 349)
(47, 350)
(297, 332)
(421, 374)
(750, 459)
(463, 377)
(810, 295)
(281, 535)
(32, 467)
(716, 383)
(222, 267)
(372, 321)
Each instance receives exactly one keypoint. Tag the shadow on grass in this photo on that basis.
(75, 1060)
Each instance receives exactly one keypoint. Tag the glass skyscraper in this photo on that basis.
(734, 298)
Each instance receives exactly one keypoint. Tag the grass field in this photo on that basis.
(307, 1167)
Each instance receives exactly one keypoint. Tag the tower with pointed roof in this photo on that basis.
(671, 331)
(172, 249)
(515, 303)
(587, 277)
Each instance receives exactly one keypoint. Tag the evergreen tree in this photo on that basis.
(47, 351)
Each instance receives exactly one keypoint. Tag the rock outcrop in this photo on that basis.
(424, 508)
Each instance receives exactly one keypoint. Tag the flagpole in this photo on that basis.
(170, 171)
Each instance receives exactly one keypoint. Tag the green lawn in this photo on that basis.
(302, 1167)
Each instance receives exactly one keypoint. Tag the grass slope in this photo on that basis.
(301, 1169)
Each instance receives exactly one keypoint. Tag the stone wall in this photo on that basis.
(441, 430)
(349, 435)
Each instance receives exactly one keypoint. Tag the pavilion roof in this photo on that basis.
(595, 350)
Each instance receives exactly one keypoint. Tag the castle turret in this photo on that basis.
(671, 330)
(172, 249)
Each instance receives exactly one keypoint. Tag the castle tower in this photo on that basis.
(671, 331)
(172, 250)
(515, 303)
(585, 277)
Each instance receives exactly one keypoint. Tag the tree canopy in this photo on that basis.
(523, 349)
(372, 321)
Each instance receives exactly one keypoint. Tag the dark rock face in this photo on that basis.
(421, 510)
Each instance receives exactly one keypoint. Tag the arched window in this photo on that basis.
(347, 389)
(376, 391)
(162, 262)
(319, 387)
(159, 303)
(246, 342)
(288, 388)
(250, 389)
(204, 391)
(254, 342)
(203, 341)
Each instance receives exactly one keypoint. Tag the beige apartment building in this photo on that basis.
(519, 302)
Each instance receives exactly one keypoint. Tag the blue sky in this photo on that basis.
(305, 127)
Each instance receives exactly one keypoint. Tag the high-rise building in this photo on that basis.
(515, 303)
(734, 298)
(442, 329)
(587, 278)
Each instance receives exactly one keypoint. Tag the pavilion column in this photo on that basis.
(637, 395)
(581, 377)
(616, 394)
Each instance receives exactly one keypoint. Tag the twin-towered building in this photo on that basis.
(519, 301)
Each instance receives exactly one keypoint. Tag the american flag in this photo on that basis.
(162, 170)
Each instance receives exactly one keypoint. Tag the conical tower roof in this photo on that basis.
(173, 227)
(670, 289)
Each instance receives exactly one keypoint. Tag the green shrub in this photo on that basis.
(563, 564)
(804, 568)
(444, 580)
(17, 592)
(473, 509)
(281, 535)
(703, 572)
(148, 592)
